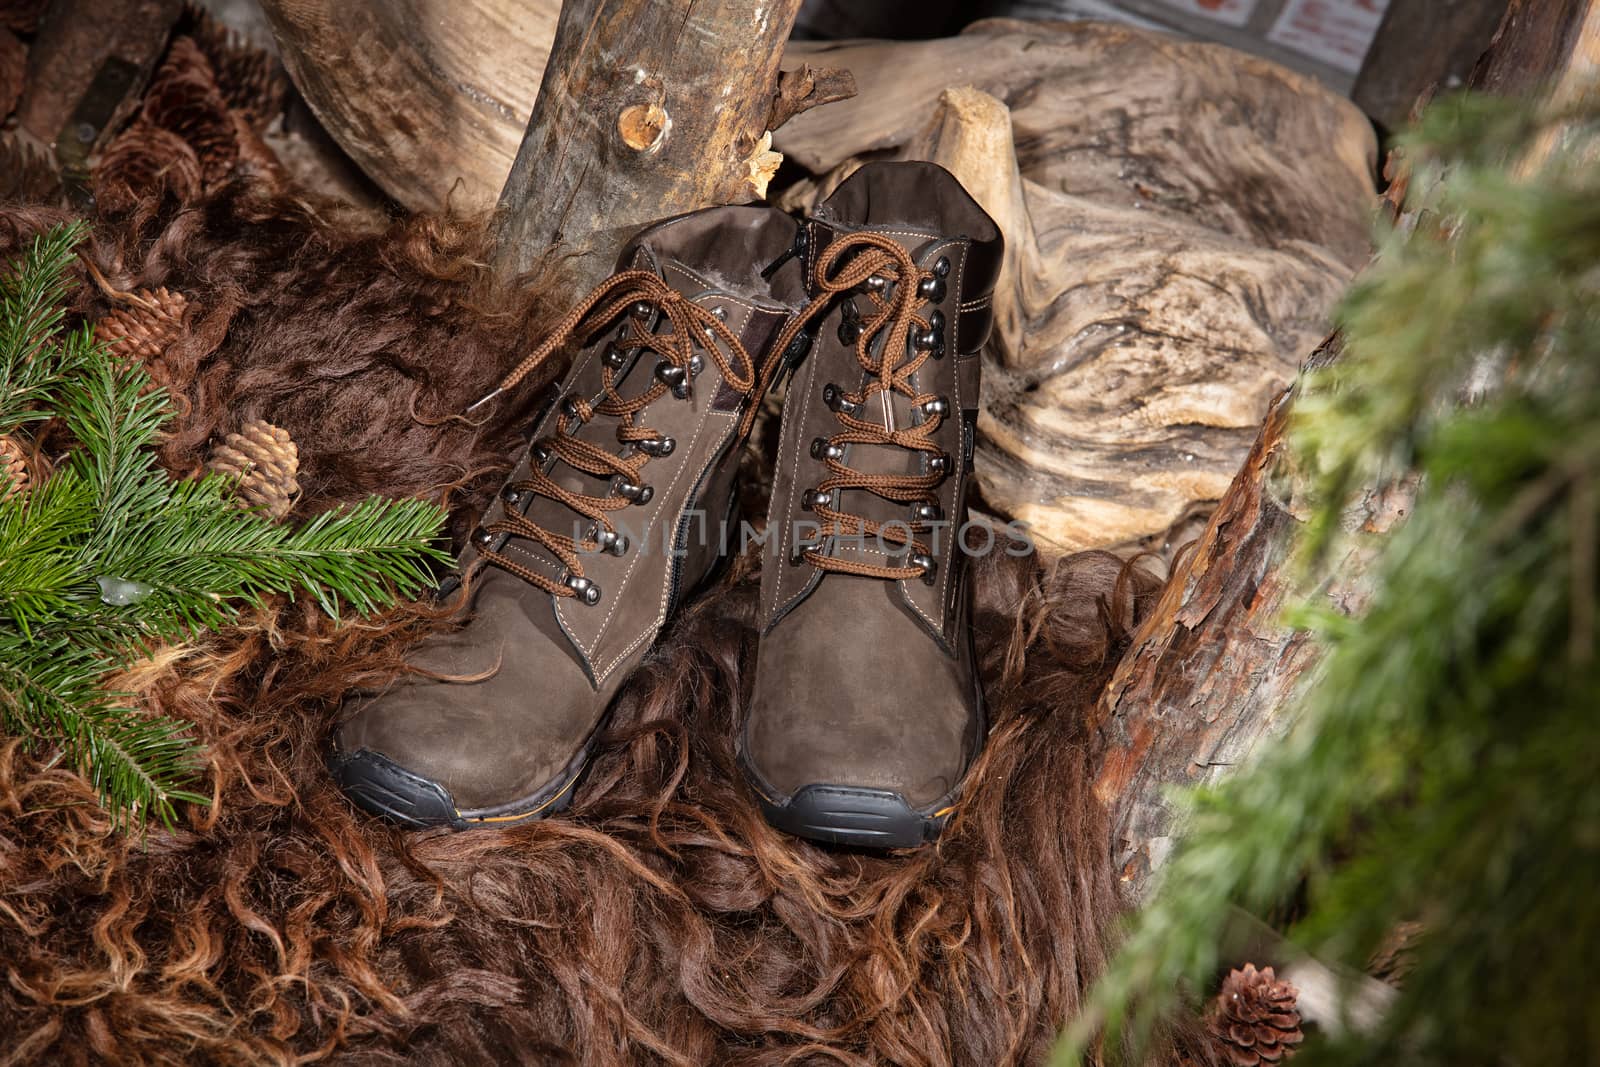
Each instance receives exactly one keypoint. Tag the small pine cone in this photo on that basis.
(1254, 1020)
(14, 476)
(141, 331)
(265, 461)
(183, 98)
(27, 176)
(22, 16)
(144, 162)
(250, 79)
(13, 71)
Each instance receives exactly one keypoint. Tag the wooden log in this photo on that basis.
(429, 99)
(432, 100)
(1214, 669)
(645, 110)
(1549, 45)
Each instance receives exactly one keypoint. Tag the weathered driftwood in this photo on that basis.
(1214, 668)
(1180, 218)
(430, 99)
(646, 110)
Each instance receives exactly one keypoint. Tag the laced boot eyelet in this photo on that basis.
(608, 540)
(931, 340)
(941, 267)
(797, 551)
(875, 283)
(939, 464)
(834, 397)
(816, 498)
(513, 497)
(633, 492)
(640, 309)
(822, 448)
(569, 407)
(929, 565)
(539, 455)
(932, 289)
(673, 377)
(656, 446)
(482, 539)
(926, 513)
(850, 326)
(615, 357)
(937, 407)
(583, 589)
(720, 312)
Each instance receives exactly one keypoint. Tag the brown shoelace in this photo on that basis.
(638, 294)
(889, 373)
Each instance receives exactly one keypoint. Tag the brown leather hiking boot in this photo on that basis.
(613, 515)
(867, 710)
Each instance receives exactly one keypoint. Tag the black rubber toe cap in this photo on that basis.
(377, 784)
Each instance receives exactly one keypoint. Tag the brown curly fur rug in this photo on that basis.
(662, 921)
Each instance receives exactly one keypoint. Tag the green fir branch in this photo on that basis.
(32, 289)
(1441, 766)
(109, 552)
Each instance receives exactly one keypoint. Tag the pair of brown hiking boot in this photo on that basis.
(866, 709)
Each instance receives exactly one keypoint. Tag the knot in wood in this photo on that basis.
(643, 126)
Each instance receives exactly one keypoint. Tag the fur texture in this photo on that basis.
(662, 921)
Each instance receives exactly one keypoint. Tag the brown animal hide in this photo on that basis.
(662, 921)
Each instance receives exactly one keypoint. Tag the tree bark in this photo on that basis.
(1214, 669)
(647, 109)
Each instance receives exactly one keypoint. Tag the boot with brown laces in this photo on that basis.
(866, 710)
(616, 511)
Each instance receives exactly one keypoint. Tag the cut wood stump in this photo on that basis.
(646, 110)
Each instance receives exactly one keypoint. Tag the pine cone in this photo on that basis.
(1253, 1020)
(141, 331)
(265, 460)
(144, 162)
(250, 79)
(14, 476)
(27, 176)
(22, 16)
(183, 98)
(13, 71)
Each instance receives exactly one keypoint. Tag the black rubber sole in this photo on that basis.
(854, 817)
(860, 816)
(378, 785)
